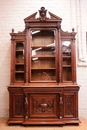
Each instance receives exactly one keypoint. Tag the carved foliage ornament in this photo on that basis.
(43, 106)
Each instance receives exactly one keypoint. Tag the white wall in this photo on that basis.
(12, 13)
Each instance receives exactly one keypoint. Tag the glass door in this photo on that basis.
(19, 62)
(43, 56)
(66, 61)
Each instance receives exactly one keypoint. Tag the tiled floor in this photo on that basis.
(4, 126)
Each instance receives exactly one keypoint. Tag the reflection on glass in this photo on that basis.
(43, 51)
(66, 47)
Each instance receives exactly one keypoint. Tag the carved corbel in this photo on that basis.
(26, 106)
(61, 106)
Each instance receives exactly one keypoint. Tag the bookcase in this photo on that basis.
(43, 88)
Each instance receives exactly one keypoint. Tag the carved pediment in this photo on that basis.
(53, 16)
(31, 17)
(42, 15)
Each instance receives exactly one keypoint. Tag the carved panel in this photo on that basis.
(43, 105)
(69, 105)
(19, 105)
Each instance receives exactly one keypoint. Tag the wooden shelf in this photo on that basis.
(43, 47)
(19, 50)
(42, 68)
(19, 63)
(66, 66)
(43, 57)
(66, 56)
(19, 71)
(19, 81)
(39, 81)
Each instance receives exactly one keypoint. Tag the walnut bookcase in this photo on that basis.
(43, 88)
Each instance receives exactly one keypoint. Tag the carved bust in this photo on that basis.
(42, 13)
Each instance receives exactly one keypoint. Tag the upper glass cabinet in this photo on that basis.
(19, 62)
(43, 55)
(66, 61)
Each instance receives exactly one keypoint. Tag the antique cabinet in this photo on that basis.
(43, 88)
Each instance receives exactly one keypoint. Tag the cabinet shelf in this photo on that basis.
(43, 47)
(66, 57)
(21, 50)
(42, 57)
(42, 68)
(66, 66)
(19, 71)
(19, 81)
(19, 63)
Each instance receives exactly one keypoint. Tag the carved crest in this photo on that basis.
(42, 16)
(42, 13)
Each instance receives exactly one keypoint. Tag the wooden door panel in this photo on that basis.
(44, 105)
(18, 105)
(69, 105)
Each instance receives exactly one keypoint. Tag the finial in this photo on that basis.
(73, 30)
(12, 30)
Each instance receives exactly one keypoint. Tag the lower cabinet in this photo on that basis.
(43, 105)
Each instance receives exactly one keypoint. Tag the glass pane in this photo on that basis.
(42, 63)
(43, 55)
(66, 61)
(66, 48)
(42, 37)
(67, 74)
(19, 77)
(43, 75)
(19, 62)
